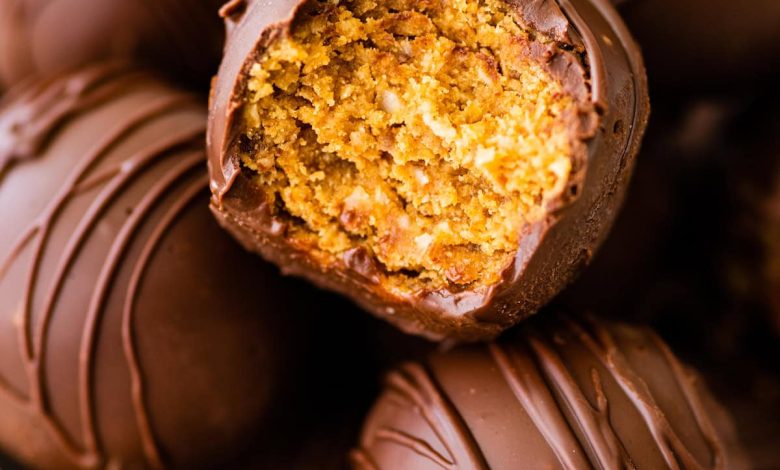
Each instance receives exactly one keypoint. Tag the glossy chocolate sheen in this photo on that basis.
(127, 335)
(557, 393)
(551, 252)
(706, 45)
(42, 37)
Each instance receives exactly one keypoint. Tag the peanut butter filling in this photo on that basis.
(419, 131)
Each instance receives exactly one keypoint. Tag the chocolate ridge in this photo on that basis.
(417, 387)
(532, 394)
(551, 252)
(128, 203)
(34, 349)
(25, 130)
(572, 379)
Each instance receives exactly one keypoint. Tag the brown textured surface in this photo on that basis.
(556, 393)
(551, 252)
(424, 152)
(126, 333)
(182, 37)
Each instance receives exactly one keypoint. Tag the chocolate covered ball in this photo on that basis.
(449, 166)
(44, 37)
(134, 333)
(557, 393)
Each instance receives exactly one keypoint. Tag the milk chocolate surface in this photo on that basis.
(184, 38)
(127, 335)
(559, 392)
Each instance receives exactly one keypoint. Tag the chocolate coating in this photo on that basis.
(551, 252)
(127, 338)
(182, 37)
(559, 393)
(705, 45)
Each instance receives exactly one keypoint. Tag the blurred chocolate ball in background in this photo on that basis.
(695, 46)
(183, 38)
(127, 338)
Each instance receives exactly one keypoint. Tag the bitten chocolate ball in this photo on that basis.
(44, 37)
(560, 393)
(134, 333)
(449, 166)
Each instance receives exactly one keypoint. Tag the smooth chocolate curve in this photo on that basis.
(38, 38)
(559, 393)
(552, 251)
(127, 339)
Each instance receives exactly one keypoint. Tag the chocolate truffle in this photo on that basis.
(134, 333)
(40, 37)
(449, 166)
(706, 45)
(560, 393)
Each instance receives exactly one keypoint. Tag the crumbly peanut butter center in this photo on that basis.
(416, 130)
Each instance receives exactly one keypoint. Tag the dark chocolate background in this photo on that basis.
(691, 46)
(687, 253)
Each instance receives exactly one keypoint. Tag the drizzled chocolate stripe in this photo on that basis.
(148, 441)
(534, 396)
(688, 386)
(584, 386)
(601, 440)
(54, 105)
(416, 386)
(603, 346)
(71, 188)
(103, 284)
(118, 177)
(24, 130)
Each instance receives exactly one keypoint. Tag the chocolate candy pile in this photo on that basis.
(193, 286)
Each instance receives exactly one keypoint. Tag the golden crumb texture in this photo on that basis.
(419, 132)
